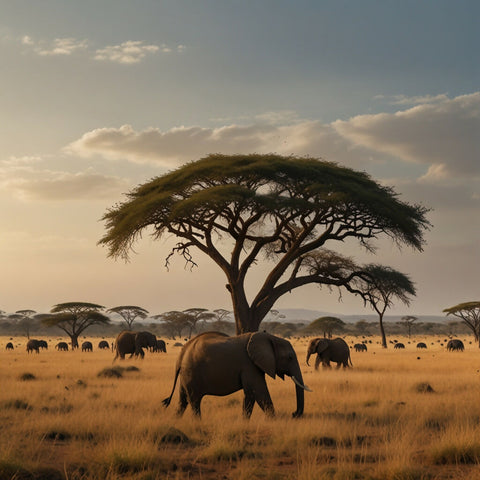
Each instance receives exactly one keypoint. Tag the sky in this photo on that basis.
(99, 96)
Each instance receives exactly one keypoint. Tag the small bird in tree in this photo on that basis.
(74, 318)
(129, 313)
(240, 209)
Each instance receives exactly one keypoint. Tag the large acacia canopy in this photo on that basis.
(283, 209)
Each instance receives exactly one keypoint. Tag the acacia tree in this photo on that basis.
(379, 286)
(174, 321)
(239, 208)
(407, 321)
(74, 317)
(25, 320)
(469, 313)
(327, 325)
(129, 313)
(195, 315)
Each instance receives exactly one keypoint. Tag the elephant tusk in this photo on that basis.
(300, 385)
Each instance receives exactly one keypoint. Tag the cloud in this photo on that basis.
(415, 100)
(444, 136)
(173, 147)
(128, 52)
(59, 46)
(64, 186)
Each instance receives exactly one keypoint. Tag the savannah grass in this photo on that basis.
(379, 420)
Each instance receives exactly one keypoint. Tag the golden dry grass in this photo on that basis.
(375, 421)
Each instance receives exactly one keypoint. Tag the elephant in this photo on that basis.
(133, 343)
(455, 344)
(213, 363)
(335, 350)
(87, 347)
(160, 346)
(62, 346)
(32, 345)
(360, 347)
(103, 345)
(43, 344)
(9, 346)
(421, 345)
(399, 346)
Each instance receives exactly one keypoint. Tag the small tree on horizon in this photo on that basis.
(407, 321)
(25, 320)
(327, 325)
(129, 313)
(469, 313)
(379, 286)
(75, 317)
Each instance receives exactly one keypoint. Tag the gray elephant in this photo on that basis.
(87, 347)
(43, 344)
(9, 346)
(33, 345)
(133, 343)
(455, 345)
(103, 345)
(329, 350)
(62, 346)
(360, 347)
(399, 346)
(421, 345)
(212, 363)
(160, 347)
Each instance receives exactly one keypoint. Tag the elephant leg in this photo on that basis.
(339, 364)
(317, 362)
(195, 403)
(183, 402)
(248, 403)
(265, 402)
(326, 364)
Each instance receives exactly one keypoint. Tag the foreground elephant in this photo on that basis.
(455, 344)
(213, 363)
(133, 343)
(32, 345)
(335, 350)
(87, 347)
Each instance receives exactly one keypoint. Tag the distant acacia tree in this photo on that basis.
(407, 321)
(362, 327)
(327, 325)
(195, 315)
(129, 313)
(174, 322)
(25, 320)
(469, 313)
(379, 286)
(75, 317)
(238, 209)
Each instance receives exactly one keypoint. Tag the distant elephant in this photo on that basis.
(103, 345)
(62, 346)
(32, 345)
(133, 343)
(456, 345)
(399, 346)
(212, 363)
(360, 347)
(421, 345)
(43, 344)
(335, 350)
(9, 346)
(87, 347)
(160, 347)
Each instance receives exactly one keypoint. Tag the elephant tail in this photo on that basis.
(166, 401)
(350, 359)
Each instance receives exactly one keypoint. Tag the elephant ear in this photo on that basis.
(321, 345)
(261, 351)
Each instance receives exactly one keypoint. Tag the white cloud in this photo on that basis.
(444, 136)
(128, 52)
(178, 145)
(48, 185)
(415, 100)
(59, 46)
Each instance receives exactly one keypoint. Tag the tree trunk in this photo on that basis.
(74, 340)
(382, 332)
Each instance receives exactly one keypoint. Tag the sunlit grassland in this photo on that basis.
(375, 421)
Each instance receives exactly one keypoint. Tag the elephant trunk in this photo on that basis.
(300, 392)
(308, 357)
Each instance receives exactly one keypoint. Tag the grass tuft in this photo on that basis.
(25, 377)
